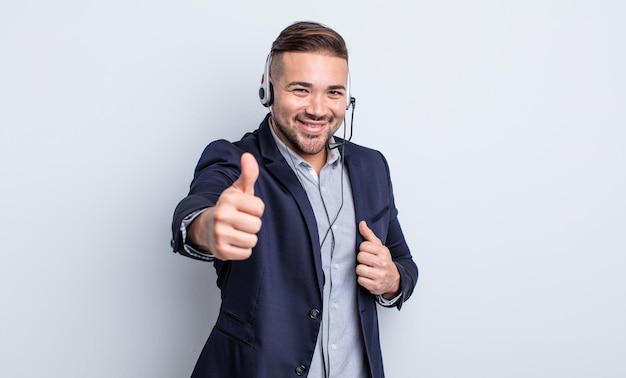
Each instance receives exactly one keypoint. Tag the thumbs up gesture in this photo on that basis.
(228, 229)
(376, 271)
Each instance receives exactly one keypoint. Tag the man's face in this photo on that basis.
(309, 100)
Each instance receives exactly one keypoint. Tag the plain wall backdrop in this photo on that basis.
(503, 123)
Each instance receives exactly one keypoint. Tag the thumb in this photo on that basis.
(249, 174)
(367, 233)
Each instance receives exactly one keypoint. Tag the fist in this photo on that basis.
(229, 229)
(376, 270)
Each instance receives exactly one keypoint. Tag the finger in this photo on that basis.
(365, 271)
(233, 244)
(246, 216)
(370, 285)
(366, 258)
(234, 199)
(238, 239)
(252, 206)
(249, 174)
(367, 233)
(247, 223)
(230, 252)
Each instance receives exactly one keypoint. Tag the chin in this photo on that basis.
(310, 148)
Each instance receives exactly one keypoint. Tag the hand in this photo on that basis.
(376, 270)
(228, 229)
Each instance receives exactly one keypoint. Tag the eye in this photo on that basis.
(335, 93)
(300, 91)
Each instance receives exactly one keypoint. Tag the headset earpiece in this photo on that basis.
(266, 92)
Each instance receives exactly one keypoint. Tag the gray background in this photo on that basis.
(503, 123)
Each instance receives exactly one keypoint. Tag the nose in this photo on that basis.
(316, 107)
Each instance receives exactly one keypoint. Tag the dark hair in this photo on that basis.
(308, 37)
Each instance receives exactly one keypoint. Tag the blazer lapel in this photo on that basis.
(277, 166)
(355, 170)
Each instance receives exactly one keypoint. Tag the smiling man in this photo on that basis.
(300, 225)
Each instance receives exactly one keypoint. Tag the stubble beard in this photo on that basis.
(304, 143)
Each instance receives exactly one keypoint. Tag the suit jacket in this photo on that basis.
(271, 303)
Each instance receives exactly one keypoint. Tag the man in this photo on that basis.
(301, 227)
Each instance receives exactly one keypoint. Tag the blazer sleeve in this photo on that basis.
(218, 168)
(403, 260)
(400, 252)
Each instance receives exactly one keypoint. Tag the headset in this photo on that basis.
(266, 91)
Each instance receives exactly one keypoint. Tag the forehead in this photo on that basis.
(307, 66)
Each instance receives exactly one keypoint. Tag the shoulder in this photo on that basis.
(360, 150)
(361, 155)
(222, 151)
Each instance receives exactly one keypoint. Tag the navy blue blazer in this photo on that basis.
(271, 306)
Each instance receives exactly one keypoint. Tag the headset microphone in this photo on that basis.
(352, 103)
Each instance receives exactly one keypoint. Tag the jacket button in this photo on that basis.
(300, 370)
(313, 314)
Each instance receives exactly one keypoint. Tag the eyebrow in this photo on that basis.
(300, 84)
(309, 85)
(337, 87)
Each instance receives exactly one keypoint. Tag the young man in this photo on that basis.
(301, 227)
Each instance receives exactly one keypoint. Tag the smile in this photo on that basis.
(312, 128)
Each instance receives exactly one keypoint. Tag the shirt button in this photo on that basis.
(334, 346)
(313, 314)
(300, 370)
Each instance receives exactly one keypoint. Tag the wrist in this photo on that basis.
(395, 288)
(197, 233)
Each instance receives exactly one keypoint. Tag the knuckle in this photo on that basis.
(220, 248)
(258, 225)
(245, 254)
(219, 229)
(227, 196)
(260, 207)
(219, 215)
(252, 241)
